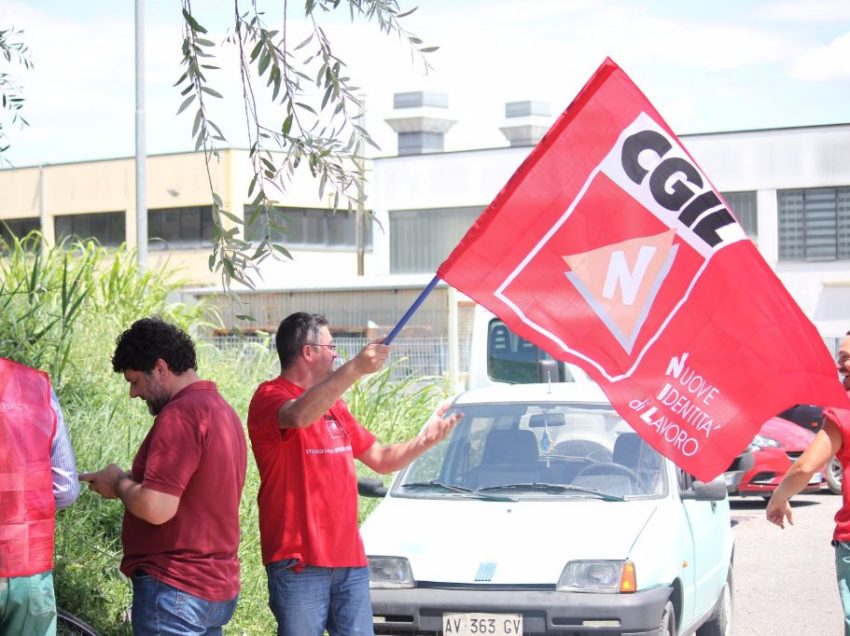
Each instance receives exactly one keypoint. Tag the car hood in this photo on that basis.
(522, 542)
(790, 435)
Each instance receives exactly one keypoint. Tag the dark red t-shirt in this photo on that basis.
(308, 485)
(196, 451)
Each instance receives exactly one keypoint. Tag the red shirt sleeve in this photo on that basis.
(841, 418)
(263, 426)
(174, 453)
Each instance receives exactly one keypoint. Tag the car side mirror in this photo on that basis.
(714, 490)
(370, 487)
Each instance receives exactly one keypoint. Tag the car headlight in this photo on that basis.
(761, 442)
(598, 576)
(391, 572)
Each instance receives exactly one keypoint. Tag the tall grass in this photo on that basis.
(61, 309)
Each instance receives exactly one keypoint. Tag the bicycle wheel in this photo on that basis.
(68, 624)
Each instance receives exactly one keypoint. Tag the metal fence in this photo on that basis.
(408, 356)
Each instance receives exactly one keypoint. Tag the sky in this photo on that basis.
(705, 66)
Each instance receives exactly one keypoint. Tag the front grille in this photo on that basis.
(763, 478)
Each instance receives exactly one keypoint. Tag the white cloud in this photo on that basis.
(825, 63)
(829, 11)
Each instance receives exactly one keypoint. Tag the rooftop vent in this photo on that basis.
(420, 121)
(526, 122)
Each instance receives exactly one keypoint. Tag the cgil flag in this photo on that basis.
(610, 248)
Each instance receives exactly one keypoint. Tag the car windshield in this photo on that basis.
(538, 450)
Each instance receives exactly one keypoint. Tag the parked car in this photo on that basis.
(775, 447)
(810, 417)
(545, 513)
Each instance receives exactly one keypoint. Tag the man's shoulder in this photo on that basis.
(275, 388)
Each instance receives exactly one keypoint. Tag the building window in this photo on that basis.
(107, 228)
(310, 227)
(744, 208)
(176, 228)
(17, 227)
(814, 224)
(422, 239)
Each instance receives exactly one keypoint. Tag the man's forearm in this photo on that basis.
(144, 503)
(317, 400)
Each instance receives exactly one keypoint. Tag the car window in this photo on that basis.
(572, 448)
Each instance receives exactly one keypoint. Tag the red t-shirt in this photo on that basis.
(196, 451)
(308, 486)
(841, 417)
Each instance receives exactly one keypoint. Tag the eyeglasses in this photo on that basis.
(332, 347)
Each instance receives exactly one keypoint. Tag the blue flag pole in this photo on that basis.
(409, 313)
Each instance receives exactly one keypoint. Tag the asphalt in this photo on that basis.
(785, 579)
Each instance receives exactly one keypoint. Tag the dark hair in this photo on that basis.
(294, 332)
(150, 339)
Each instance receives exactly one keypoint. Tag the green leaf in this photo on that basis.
(281, 250)
(429, 49)
(304, 43)
(256, 50)
(328, 93)
(193, 24)
(197, 124)
(265, 60)
(287, 124)
(186, 103)
(231, 216)
(210, 91)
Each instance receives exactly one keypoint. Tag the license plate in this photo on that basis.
(476, 624)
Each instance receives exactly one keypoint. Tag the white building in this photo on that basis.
(790, 188)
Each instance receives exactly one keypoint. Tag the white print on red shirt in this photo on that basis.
(334, 431)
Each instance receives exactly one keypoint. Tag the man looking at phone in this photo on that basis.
(181, 523)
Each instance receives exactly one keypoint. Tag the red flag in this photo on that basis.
(610, 248)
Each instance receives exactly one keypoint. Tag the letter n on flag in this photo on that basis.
(610, 248)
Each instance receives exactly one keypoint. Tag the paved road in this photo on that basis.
(785, 579)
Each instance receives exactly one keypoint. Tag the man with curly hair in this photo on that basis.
(181, 497)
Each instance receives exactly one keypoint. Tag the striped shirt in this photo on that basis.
(66, 484)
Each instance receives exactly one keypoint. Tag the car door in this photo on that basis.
(710, 527)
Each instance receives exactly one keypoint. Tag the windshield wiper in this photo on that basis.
(468, 492)
(556, 488)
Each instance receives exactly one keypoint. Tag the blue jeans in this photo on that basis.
(316, 599)
(842, 573)
(162, 610)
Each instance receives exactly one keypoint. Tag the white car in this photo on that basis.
(544, 513)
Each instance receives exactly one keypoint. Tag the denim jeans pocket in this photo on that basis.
(283, 564)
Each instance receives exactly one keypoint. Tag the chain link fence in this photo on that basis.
(408, 356)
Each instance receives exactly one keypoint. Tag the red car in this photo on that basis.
(776, 446)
